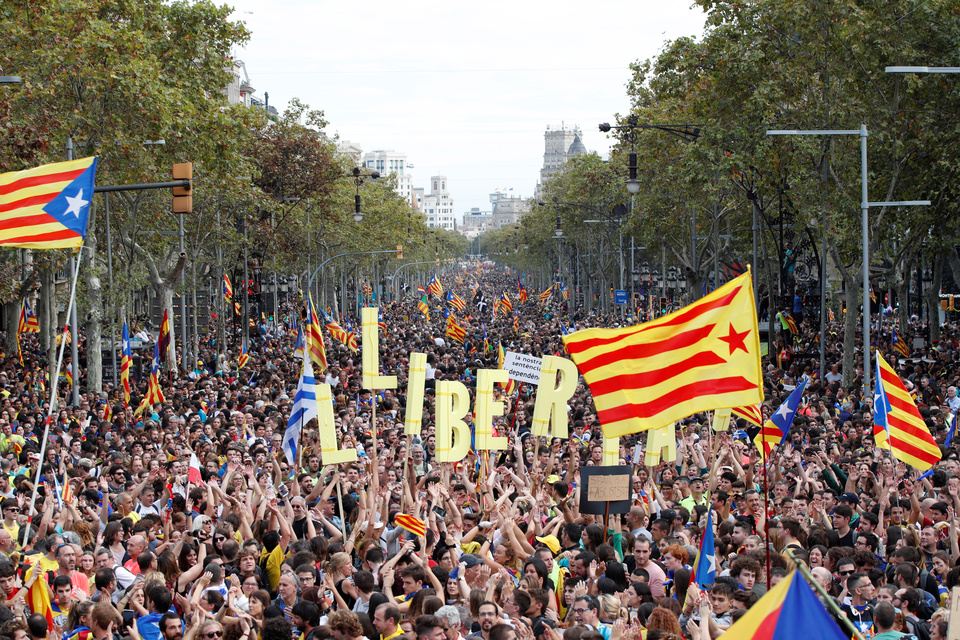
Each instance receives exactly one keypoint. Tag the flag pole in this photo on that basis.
(53, 396)
(766, 516)
(825, 597)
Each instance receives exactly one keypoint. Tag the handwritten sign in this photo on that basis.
(609, 488)
(605, 489)
(522, 367)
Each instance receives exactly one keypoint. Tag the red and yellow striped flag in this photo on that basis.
(413, 524)
(38, 596)
(897, 422)
(752, 413)
(314, 337)
(244, 357)
(704, 356)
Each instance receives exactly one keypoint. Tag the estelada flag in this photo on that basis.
(899, 344)
(413, 524)
(787, 611)
(28, 319)
(227, 288)
(897, 422)
(244, 357)
(704, 356)
(47, 207)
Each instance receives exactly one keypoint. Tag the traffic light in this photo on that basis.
(399, 252)
(182, 198)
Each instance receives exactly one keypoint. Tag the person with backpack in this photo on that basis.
(884, 620)
(910, 601)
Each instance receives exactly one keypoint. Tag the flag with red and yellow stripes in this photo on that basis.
(751, 413)
(454, 330)
(897, 422)
(315, 347)
(704, 356)
(413, 524)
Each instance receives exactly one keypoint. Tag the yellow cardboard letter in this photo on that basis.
(371, 352)
(453, 434)
(330, 452)
(721, 419)
(552, 397)
(415, 385)
(660, 440)
(487, 409)
(611, 451)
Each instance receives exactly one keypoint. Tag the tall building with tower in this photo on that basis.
(437, 206)
(559, 145)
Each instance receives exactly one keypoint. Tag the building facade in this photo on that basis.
(507, 209)
(559, 145)
(437, 205)
(387, 162)
(476, 222)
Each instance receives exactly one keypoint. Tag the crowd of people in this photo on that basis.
(261, 547)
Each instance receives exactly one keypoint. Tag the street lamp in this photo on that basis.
(628, 131)
(865, 205)
(358, 180)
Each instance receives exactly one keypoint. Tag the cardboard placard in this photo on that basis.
(522, 367)
(603, 486)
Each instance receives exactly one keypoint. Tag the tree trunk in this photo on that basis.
(94, 317)
(903, 311)
(49, 339)
(12, 312)
(852, 298)
(932, 295)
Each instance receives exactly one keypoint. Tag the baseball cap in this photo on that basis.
(849, 497)
(470, 560)
(552, 543)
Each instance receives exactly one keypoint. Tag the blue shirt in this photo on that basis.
(148, 626)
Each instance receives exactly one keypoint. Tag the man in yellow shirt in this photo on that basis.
(386, 619)
(11, 509)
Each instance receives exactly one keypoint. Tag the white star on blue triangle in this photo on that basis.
(72, 205)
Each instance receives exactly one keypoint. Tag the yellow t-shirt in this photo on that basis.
(14, 532)
(274, 559)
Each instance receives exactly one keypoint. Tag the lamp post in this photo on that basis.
(865, 205)
(619, 213)
(358, 180)
(688, 132)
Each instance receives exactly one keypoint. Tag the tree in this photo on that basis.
(113, 76)
(808, 65)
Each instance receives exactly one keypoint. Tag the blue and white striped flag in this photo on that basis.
(304, 410)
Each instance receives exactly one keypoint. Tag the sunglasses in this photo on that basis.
(213, 634)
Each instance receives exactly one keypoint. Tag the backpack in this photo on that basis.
(919, 628)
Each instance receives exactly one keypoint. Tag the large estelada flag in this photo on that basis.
(897, 422)
(789, 610)
(704, 356)
(47, 207)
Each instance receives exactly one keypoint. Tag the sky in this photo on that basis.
(466, 90)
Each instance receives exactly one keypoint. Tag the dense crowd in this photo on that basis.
(264, 548)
